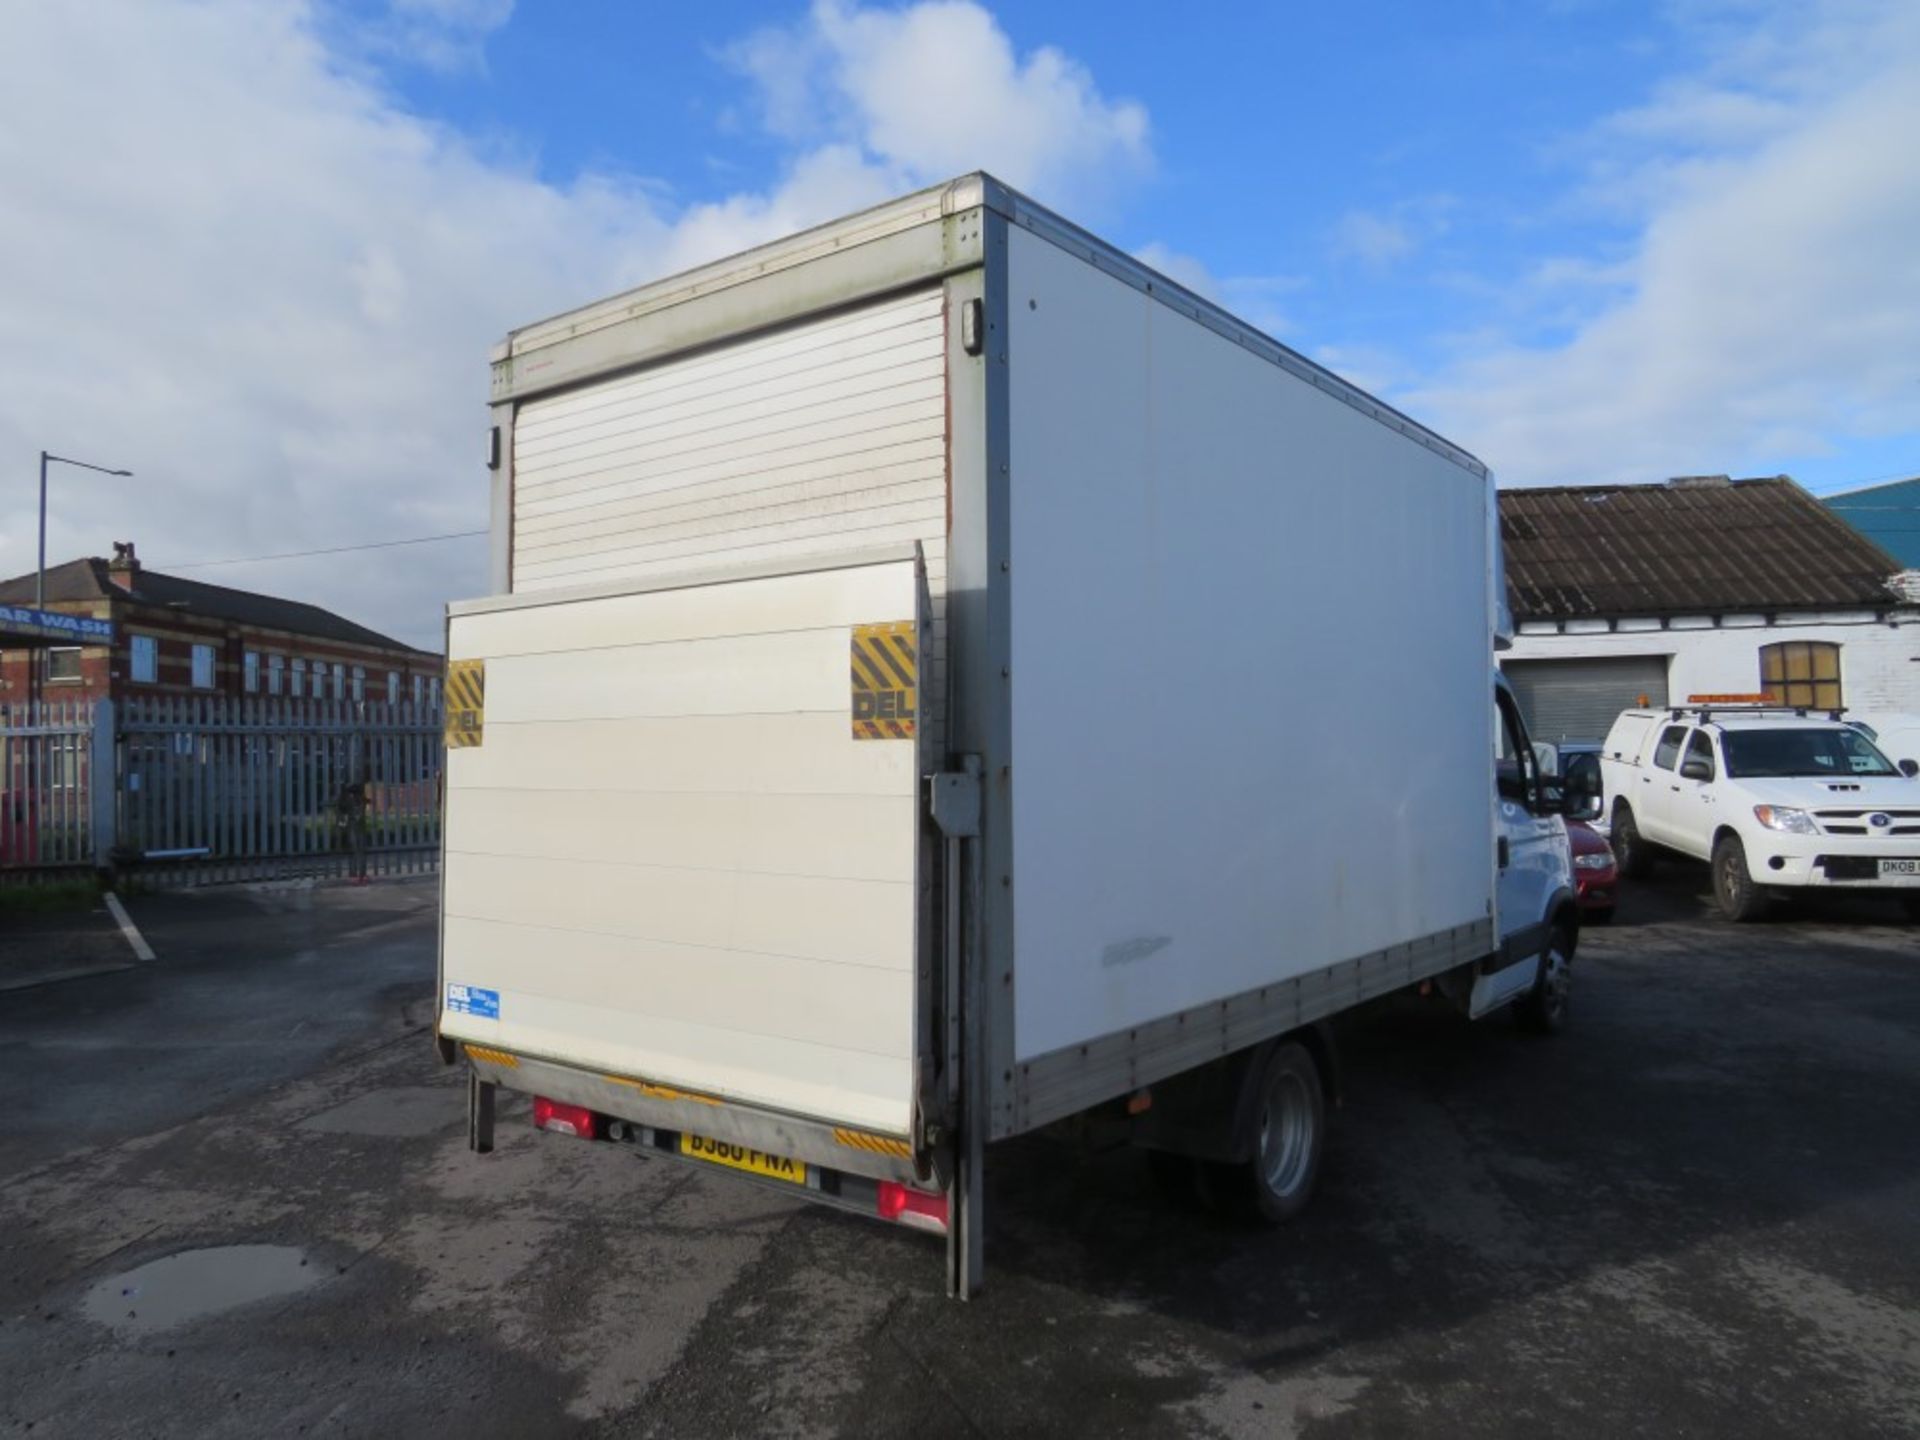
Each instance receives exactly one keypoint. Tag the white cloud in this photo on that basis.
(1384, 238)
(1770, 306)
(937, 89)
(1376, 239)
(438, 34)
(238, 268)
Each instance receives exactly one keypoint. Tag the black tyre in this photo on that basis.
(1630, 852)
(1734, 890)
(1912, 903)
(1176, 1178)
(1286, 1138)
(1545, 1009)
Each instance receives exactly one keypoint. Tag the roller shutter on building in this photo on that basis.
(1578, 699)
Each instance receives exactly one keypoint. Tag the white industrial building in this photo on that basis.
(1648, 594)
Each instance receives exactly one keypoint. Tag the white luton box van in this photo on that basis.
(944, 678)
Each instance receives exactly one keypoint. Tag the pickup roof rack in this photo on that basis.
(1706, 706)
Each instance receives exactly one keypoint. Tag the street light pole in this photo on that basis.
(40, 575)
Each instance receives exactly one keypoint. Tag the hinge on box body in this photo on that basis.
(955, 800)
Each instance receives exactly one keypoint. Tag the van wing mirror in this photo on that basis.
(1583, 805)
(1910, 768)
(1696, 769)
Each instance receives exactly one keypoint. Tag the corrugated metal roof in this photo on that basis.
(1701, 545)
(84, 580)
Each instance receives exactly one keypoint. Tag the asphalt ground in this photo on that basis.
(65, 942)
(1695, 1213)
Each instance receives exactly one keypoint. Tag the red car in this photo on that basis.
(1596, 881)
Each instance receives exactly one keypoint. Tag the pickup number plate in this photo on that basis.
(1892, 868)
(739, 1157)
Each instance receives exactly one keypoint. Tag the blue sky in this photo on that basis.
(269, 241)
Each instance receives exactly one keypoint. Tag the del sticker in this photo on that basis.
(472, 1000)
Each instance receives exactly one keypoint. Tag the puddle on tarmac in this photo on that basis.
(197, 1283)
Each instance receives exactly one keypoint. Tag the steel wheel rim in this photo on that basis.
(1556, 981)
(1286, 1135)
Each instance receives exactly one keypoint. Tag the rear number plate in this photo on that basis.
(1890, 868)
(739, 1157)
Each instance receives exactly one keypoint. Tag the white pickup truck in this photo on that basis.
(1773, 798)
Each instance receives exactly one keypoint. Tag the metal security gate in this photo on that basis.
(1577, 700)
(222, 789)
(48, 764)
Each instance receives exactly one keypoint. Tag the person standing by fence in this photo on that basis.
(350, 819)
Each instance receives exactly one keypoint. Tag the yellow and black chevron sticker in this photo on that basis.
(886, 671)
(466, 703)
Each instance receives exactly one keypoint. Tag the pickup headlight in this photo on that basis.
(1592, 862)
(1785, 817)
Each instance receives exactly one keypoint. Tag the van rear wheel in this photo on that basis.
(1286, 1137)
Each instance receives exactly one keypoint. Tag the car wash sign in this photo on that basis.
(21, 622)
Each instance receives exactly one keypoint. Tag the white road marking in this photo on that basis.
(141, 950)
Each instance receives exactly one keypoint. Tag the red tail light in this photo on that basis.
(912, 1207)
(565, 1119)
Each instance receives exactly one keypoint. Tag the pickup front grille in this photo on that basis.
(1854, 822)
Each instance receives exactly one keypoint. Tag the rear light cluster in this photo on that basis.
(911, 1207)
(565, 1119)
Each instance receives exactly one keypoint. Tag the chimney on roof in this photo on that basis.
(1699, 482)
(124, 569)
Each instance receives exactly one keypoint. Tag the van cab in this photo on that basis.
(1772, 798)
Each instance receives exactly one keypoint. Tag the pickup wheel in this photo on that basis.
(1544, 1010)
(1287, 1137)
(1630, 852)
(1912, 904)
(1734, 890)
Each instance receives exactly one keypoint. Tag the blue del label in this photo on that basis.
(472, 1000)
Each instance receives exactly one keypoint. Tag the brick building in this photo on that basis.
(173, 636)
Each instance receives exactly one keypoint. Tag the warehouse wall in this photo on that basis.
(1879, 663)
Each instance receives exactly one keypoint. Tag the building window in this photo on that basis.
(433, 690)
(203, 667)
(297, 681)
(1802, 672)
(393, 687)
(64, 754)
(359, 684)
(250, 671)
(339, 680)
(419, 685)
(146, 660)
(276, 673)
(63, 663)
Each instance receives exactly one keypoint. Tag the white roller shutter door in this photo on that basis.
(802, 441)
